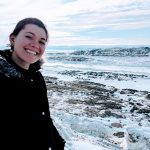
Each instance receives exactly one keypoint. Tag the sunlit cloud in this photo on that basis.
(80, 21)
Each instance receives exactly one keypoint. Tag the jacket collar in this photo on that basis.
(6, 54)
(9, 68)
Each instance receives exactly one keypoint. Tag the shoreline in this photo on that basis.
(91, 93)
(118, 109)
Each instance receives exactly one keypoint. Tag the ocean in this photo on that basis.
(67, 65)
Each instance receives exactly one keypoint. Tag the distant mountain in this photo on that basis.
(140, 51)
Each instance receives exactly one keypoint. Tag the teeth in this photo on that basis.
(31, 52)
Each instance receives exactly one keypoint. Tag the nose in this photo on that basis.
(35, 44)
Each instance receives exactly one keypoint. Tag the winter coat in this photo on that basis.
(25, 122)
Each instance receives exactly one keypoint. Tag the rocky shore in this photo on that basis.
(89, 99)
(100, 100)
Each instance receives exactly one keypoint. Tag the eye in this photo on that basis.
(28, 36)
(42, 42)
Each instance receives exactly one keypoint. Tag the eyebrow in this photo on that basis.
(34, 34)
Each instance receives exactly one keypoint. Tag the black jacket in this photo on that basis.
(25, 122)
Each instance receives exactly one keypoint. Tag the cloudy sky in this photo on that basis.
(82, 22)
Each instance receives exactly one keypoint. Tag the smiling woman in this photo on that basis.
(28, 45)
(26, 118)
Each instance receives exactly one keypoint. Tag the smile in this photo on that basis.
(31, 52)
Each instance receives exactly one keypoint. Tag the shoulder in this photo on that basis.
(39, 76)
(6, 68)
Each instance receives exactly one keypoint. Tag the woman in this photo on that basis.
(25, 118)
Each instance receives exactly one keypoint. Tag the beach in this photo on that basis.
(107, 110)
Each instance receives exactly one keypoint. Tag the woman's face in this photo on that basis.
(29, 45)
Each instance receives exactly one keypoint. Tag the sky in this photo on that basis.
(82, 22)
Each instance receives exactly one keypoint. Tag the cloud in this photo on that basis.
(72, 19)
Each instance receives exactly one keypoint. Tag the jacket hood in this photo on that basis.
(7, 66)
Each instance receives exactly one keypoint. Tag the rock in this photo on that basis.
(117, 125)
(148, 96)
(119, 134)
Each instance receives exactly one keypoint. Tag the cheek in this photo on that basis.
(19, 42)
(17, 45)
(42, 49)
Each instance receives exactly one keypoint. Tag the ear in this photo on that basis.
(12, 39)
